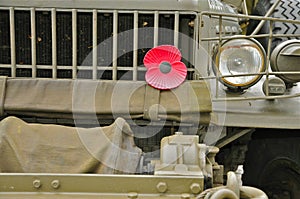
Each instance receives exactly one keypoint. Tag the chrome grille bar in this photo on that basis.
(95, 45)
(156, 21)
(54, 43)
(33, 42)
(115, 45)
(74, 43)
(135, 44)
(12, 41)
(176, 29)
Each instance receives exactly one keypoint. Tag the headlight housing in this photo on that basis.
(286, 58)
(239, 57)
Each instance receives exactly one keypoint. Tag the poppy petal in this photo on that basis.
(173, 79)
(179, 67)
(161, 53)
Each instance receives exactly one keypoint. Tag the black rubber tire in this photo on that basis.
(287, 9)
(273, 165)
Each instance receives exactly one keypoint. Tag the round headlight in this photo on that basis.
(286, 58)
(239, 57)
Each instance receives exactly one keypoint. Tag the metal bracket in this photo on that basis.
(230, 138)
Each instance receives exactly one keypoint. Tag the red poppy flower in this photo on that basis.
(164, 68)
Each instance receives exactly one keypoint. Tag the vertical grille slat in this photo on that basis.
(90, 44)
(74, 43)
(33, 41)
(54, 43)
(94, 47)
(135, 45)
(115, 45)
(156, 26)
(176, 29)
(12, 43)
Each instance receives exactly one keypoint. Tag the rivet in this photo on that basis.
(36, 184)
(55, 184)
(161, 187)
(132, 195)
(195, 188)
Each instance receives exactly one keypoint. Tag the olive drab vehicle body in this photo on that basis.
(149, 99)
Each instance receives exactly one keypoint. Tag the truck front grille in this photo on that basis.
(91, 44)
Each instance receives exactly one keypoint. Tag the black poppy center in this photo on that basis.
(165, 67)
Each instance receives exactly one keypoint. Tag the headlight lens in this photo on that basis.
(239, 57)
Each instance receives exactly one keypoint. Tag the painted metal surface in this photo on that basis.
(273, 113)
(94, 186)
(180, 5)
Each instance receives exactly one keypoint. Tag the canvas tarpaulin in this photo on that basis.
(40, 148)
(65, 98)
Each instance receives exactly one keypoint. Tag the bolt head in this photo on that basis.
(161, 187)
(36, 184)
(55, 184)
(195, 188)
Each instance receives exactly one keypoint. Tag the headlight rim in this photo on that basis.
(216, 65)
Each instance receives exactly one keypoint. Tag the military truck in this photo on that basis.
(149, 99)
